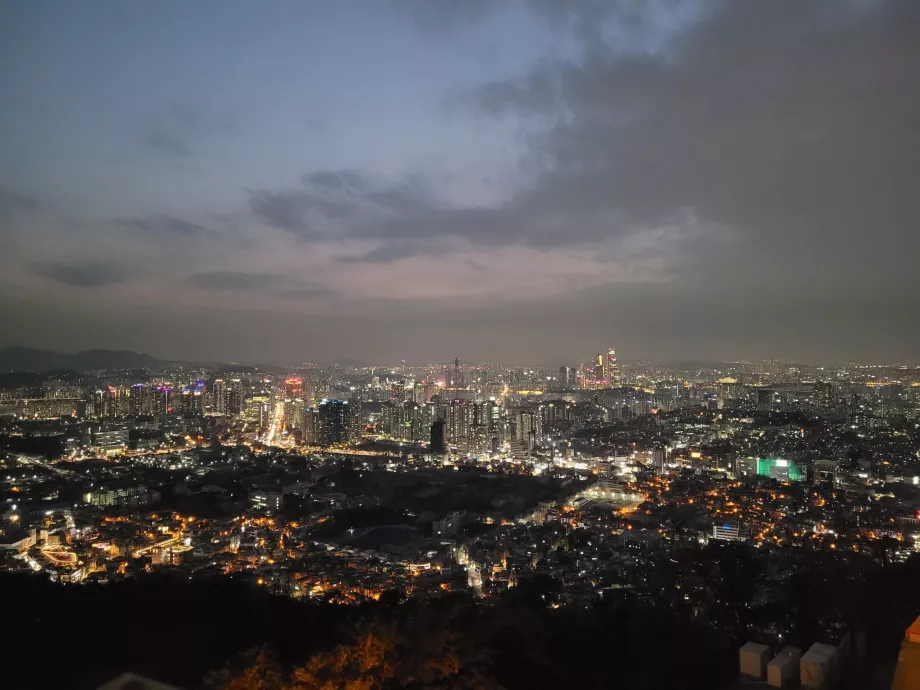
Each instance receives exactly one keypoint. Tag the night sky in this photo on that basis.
(517, 181)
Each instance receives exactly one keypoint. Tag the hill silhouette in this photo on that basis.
(35, 360)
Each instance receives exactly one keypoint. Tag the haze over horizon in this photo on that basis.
(534, 180)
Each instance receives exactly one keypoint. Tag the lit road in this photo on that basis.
(276, 426)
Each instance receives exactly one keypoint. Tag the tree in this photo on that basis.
(260, 671)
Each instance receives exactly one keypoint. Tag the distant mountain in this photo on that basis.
(30, 359)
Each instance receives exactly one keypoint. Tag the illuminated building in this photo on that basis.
(192, 400)
(457, 418)
(773, 468)
(122, 496)
(731, 531)
(611, 369)
(437, 442)
(141, 400)
(267, 501)
(335, 421)
(566, 377)
(235, 397)
(529, 429)
(600, 377)
(257, 409)
(293, 387)
(221, 397)
(107, 403)
(162, 400)
(448, 526)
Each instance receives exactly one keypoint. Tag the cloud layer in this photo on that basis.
(707, 179)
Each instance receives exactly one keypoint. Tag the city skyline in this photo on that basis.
(511, 180)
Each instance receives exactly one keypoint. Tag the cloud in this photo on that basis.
(84, 274)
(11, 202)
(445, 16)
(334, 180)
(163, 225)
(387, 253)
(243, 281)
(337, 204)
(786, 123)
(168, 145)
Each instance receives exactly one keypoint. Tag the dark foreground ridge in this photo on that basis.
(226, 634)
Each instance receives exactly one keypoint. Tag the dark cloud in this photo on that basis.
(243, 281)
(84, 274)
(335, 180)
(384, 254)
(794, 125)
(12, 203)
(163, 225)
(444, 16)
(340, 204)
(168, 145)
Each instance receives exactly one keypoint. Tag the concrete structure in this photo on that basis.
(835, 654)
(816, 669)
(783, 669)
(753, 659)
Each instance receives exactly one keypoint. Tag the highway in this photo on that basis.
(276, 426)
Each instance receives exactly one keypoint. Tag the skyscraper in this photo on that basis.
(611, 369)
(335, 421)
(566, 377)
(221, 396)
(600, 374)
(436, 444)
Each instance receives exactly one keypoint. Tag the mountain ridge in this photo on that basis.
(15, 359)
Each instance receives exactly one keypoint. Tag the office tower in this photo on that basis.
(611, 369)
(257, 410)
(437, 444)
(600, 377)
(586, 376)
(293, 413)
(336, 422)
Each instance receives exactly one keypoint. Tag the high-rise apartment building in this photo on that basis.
(566, 377)
(437, 442)
(221, 396)
(335, 421)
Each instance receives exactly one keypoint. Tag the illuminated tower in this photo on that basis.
(600, 371)
(611, 370)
